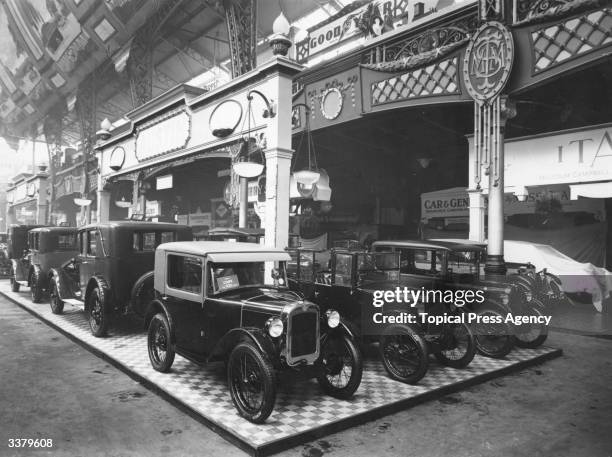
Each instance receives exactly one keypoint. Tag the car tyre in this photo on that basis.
(57, 305)
(462, 350)
(161, 351)
(493, 340)
(535, 336)
(98, 311)
(339, 354)
(36, 290)
(404, 354)
(14, 284)
(252, 382)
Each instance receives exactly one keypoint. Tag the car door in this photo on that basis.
(90, 246)
(183, 298)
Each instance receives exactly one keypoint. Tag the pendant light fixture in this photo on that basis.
(309, 176)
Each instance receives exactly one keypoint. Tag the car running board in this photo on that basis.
(73, 301)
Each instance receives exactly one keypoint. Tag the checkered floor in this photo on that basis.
(299, 408)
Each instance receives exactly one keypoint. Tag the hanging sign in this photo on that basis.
(488, 61)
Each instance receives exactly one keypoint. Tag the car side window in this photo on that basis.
(92, 243)
(344, 269)
(184, 273)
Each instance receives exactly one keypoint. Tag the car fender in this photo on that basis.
(100, 283)
(135, 295)
(18, 270)
(236, 335)
(35, 269)
(490, 303)
(156, 307)
(345, 328)
(64, 283)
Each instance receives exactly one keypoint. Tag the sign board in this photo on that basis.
(176, 126)
(567, 157)
(164, 182)
(152, 209)
(221, 213)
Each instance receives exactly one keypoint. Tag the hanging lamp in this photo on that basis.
(309, 176)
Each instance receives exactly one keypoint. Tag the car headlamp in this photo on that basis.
(333, 318)
(275, 327)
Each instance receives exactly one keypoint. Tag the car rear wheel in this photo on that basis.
(36, 289)
(493, 340)
(340, 367)
(460, 347)
(531, 336)
(404, 354)
(252, 383)
(57, 305)
(14, 284)
(98, 312)
(161, 352)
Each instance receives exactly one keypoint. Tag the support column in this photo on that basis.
(244, 203)
(41, 201)
(103, 205)
(278, 172)
(477, 215)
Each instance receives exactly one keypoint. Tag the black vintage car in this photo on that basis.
(18, 250)
(454, 264)
(350, 284)
(213, 303)
(112, 271)
(49, 247)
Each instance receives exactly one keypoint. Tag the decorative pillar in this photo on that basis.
(41, 200)
(86, 111)
(103, 210)
(487, 66)
(477, 215)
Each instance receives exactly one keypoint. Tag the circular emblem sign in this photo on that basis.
(117, 158)
(488, 61)
(331, 103)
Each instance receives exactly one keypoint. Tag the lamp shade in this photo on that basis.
(82, 201)
(248, 169)
(307, 177)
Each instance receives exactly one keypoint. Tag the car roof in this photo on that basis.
(236, 231)
(449, 245)
(134, 224)
(225, 251)
(55, 229)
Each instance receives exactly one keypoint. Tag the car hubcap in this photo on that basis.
(337, 362)
(248, 384)
(401, 354)
(96, 313)
(458, 344)
(161, 343)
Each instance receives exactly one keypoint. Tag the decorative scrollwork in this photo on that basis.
(533, 11)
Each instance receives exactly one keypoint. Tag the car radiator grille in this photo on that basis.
(303, 334)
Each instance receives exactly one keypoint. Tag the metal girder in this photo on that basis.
(241, 20)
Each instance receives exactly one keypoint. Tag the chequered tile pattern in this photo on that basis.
(299, 408)
(560, 42)
(437, 79)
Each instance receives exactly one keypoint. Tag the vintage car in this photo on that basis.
(213, 303)
(112, 272)
(350, 284)
(457, 265)
(49, 247)
(5, 261)
(18, 250)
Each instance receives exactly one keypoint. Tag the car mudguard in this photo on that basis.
(36, 270)
(135, 295)
(234, 336)
(345, 327)
(155, 307)
(18, 270)
(100, 283)
(64, 282)
(490, 303)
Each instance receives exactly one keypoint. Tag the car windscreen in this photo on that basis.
(464, 262)
(147, 241)
(62, 242)
(377, 266)
(235, 275)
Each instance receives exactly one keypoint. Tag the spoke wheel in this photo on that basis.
(340, 367)
(161, 352)
(252, 383)
(98, 312)
(460, 347)
(531, 335)
(404, 354)
(36, 290)
(493, 340)
(57, 305)
(14, 284)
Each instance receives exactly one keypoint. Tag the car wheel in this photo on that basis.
(36, 289)
(98, 312)
(530, 336)
(161, 352)
(340, 367)
(404, 354)
(252, 383)
(14, 284)
(493, 340)
(57, 305)
(460, 347)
